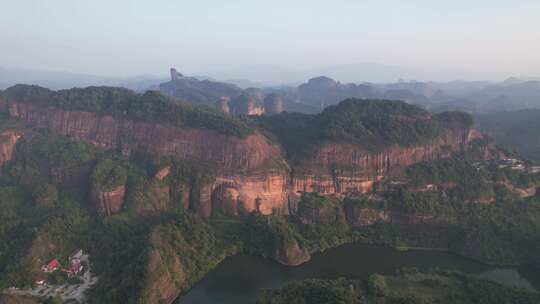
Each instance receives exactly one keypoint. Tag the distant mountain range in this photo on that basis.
(64, 80)
(514, 93)
(516, 130)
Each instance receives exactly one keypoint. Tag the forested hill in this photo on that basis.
(514, 130)
(151, 106)
(374, 124)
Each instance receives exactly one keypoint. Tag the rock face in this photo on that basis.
(163, 173)
(175, 75)
(273, 104)
(164, 278)
(265, 193)
(193, 90)
(109, 202)
(255, 93)
(227, 153)
(251, 173)
(246, 104)
(291, 254)
(224, 104)
(522, 192)
(323, 91)
(8, 140)
(335, 169)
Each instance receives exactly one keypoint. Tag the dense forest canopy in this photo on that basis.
(151, 106)
(514, 130)
(408, 286)
(373, 124)
(46, 197)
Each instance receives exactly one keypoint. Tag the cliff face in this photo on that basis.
(251, 172)
(8, 140)
(291, 254)
(164, 277)
(335, 169)
(240, 162)
(326, 91)
(227, 153)
(264, 192)
(198, 91)
(109, 202)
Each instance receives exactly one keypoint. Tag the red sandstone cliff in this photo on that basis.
(338, 168)
(242, 164)
(251, 172)
(227, 153)
(8, 140)
(109, 202)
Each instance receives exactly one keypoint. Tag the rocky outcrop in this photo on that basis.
(264, 192)
(162, 173)
(246, 104)
(324, 91)
(193, 90)
(522, 192)
(251, 173)
(291, 254)
(527, 192)
(8, 140)
(164, 277)
(255, 93)
(340, 168)
(224, 105)
(175, 75)
(226, 153)
(108, 202)
(273, 104)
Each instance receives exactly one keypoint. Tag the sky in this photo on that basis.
(473, 39)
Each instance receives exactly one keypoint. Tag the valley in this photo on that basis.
(159, 191)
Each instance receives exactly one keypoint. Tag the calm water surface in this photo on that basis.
(239, 279)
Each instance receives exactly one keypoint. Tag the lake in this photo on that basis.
(240, 278)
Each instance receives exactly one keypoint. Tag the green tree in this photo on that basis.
(377, 286)
(45, 195)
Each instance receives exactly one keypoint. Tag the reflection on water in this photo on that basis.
(508, 277)
(240, 278)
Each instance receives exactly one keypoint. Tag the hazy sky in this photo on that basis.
(487, 39)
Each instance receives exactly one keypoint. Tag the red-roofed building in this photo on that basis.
(51, 266)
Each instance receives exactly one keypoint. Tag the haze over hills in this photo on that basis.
(66, 80)
(253, 152)
(158, 191)
(503, 101)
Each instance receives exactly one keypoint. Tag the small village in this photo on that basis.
(79, 280)
(511, 163)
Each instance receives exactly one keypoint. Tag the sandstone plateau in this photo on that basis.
(251, 173)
